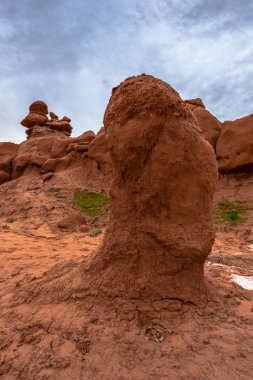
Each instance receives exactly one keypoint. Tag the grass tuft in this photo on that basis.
(91, 203)
(232, 212)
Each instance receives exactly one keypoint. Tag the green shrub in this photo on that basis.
(91, 203)
(232, 212)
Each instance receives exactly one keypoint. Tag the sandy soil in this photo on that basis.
(116, 339)
(119, 340)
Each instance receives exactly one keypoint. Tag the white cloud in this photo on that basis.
(72, 65)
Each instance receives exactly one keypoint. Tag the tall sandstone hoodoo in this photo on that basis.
(160, 229)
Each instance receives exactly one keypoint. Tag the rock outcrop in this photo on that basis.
(160, 230)
(38, 124)
(235, 145)
(49, 149)
(7, 153)
(209, 124)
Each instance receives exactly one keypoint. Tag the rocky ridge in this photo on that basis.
(49, 147)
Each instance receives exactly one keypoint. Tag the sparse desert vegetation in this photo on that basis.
(91, 203)
(230, 211)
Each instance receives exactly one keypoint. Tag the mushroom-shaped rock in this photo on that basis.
(33, 119)
(37, 116)
(160, 230)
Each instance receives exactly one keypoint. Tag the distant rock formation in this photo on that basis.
(209, 124)
(160, 230)
(49, 148)
(235, 145)
(38, 124)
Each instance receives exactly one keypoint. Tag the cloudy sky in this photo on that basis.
(70, 53)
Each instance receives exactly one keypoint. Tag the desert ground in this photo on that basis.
(115, 339)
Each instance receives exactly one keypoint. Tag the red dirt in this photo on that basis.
(120, 339)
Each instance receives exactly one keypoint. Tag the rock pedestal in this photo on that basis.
(160, 230)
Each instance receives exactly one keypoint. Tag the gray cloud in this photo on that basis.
(71, 53)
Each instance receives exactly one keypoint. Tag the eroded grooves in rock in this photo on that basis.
(160, 230)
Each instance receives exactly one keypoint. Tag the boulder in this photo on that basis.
(235, 145)
(87, 136)
(209, 124)
(39, 107)
(60, 125)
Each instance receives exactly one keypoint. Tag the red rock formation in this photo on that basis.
(235, 145)
(39, 107)
(7, 153)
(160, 230)
(38, 123)
(209, 124)
(98, 151)
(49, 148)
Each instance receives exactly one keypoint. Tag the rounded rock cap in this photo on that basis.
(39, 107)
